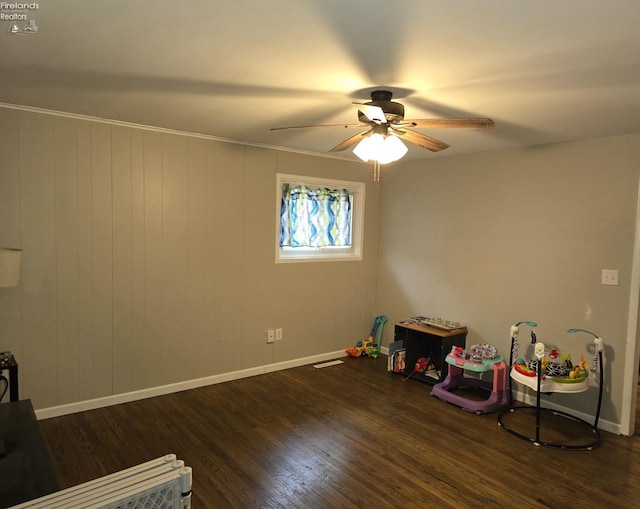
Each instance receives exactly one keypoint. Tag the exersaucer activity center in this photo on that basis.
(545, 376)
(479, 358)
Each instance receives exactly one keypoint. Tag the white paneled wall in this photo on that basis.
(148, 259)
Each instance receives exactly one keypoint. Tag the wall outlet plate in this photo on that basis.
(610, 277)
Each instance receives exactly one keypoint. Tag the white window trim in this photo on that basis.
(331, 254)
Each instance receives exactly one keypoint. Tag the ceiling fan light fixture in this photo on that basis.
(384, 149)
(367, 148)
(394, 148)
(386, 121)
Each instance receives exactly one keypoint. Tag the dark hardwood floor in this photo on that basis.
(346, 436)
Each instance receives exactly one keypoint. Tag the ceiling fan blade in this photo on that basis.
(373, 113)
(350, 142)
(421, 140)
(466, 123)
(319, 125)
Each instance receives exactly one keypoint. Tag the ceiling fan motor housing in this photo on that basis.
(393, 112)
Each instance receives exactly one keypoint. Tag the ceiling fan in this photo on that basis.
(386, 118)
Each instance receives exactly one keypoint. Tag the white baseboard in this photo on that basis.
(81, 406)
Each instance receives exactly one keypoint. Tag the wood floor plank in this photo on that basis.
(347, 436)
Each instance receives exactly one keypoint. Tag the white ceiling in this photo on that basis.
(544, 71)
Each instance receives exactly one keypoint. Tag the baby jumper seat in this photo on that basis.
(549, 373)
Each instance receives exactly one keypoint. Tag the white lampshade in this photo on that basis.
(384, 149)
(366, 149)
(393, 149)
(10, 260)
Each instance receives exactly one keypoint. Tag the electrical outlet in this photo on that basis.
(270, 336)
(609, 277)
(278, 334)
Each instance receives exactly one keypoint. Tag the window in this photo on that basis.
(318, 219)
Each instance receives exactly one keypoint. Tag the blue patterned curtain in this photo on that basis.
(315, 217)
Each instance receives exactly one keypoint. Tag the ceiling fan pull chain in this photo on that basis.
(376, 171)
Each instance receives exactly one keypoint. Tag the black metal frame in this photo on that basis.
(538, 409)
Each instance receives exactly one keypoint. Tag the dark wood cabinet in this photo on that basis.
(424, 341)
(26, 470)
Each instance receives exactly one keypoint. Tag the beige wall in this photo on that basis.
(149, 259)
(495, 238)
